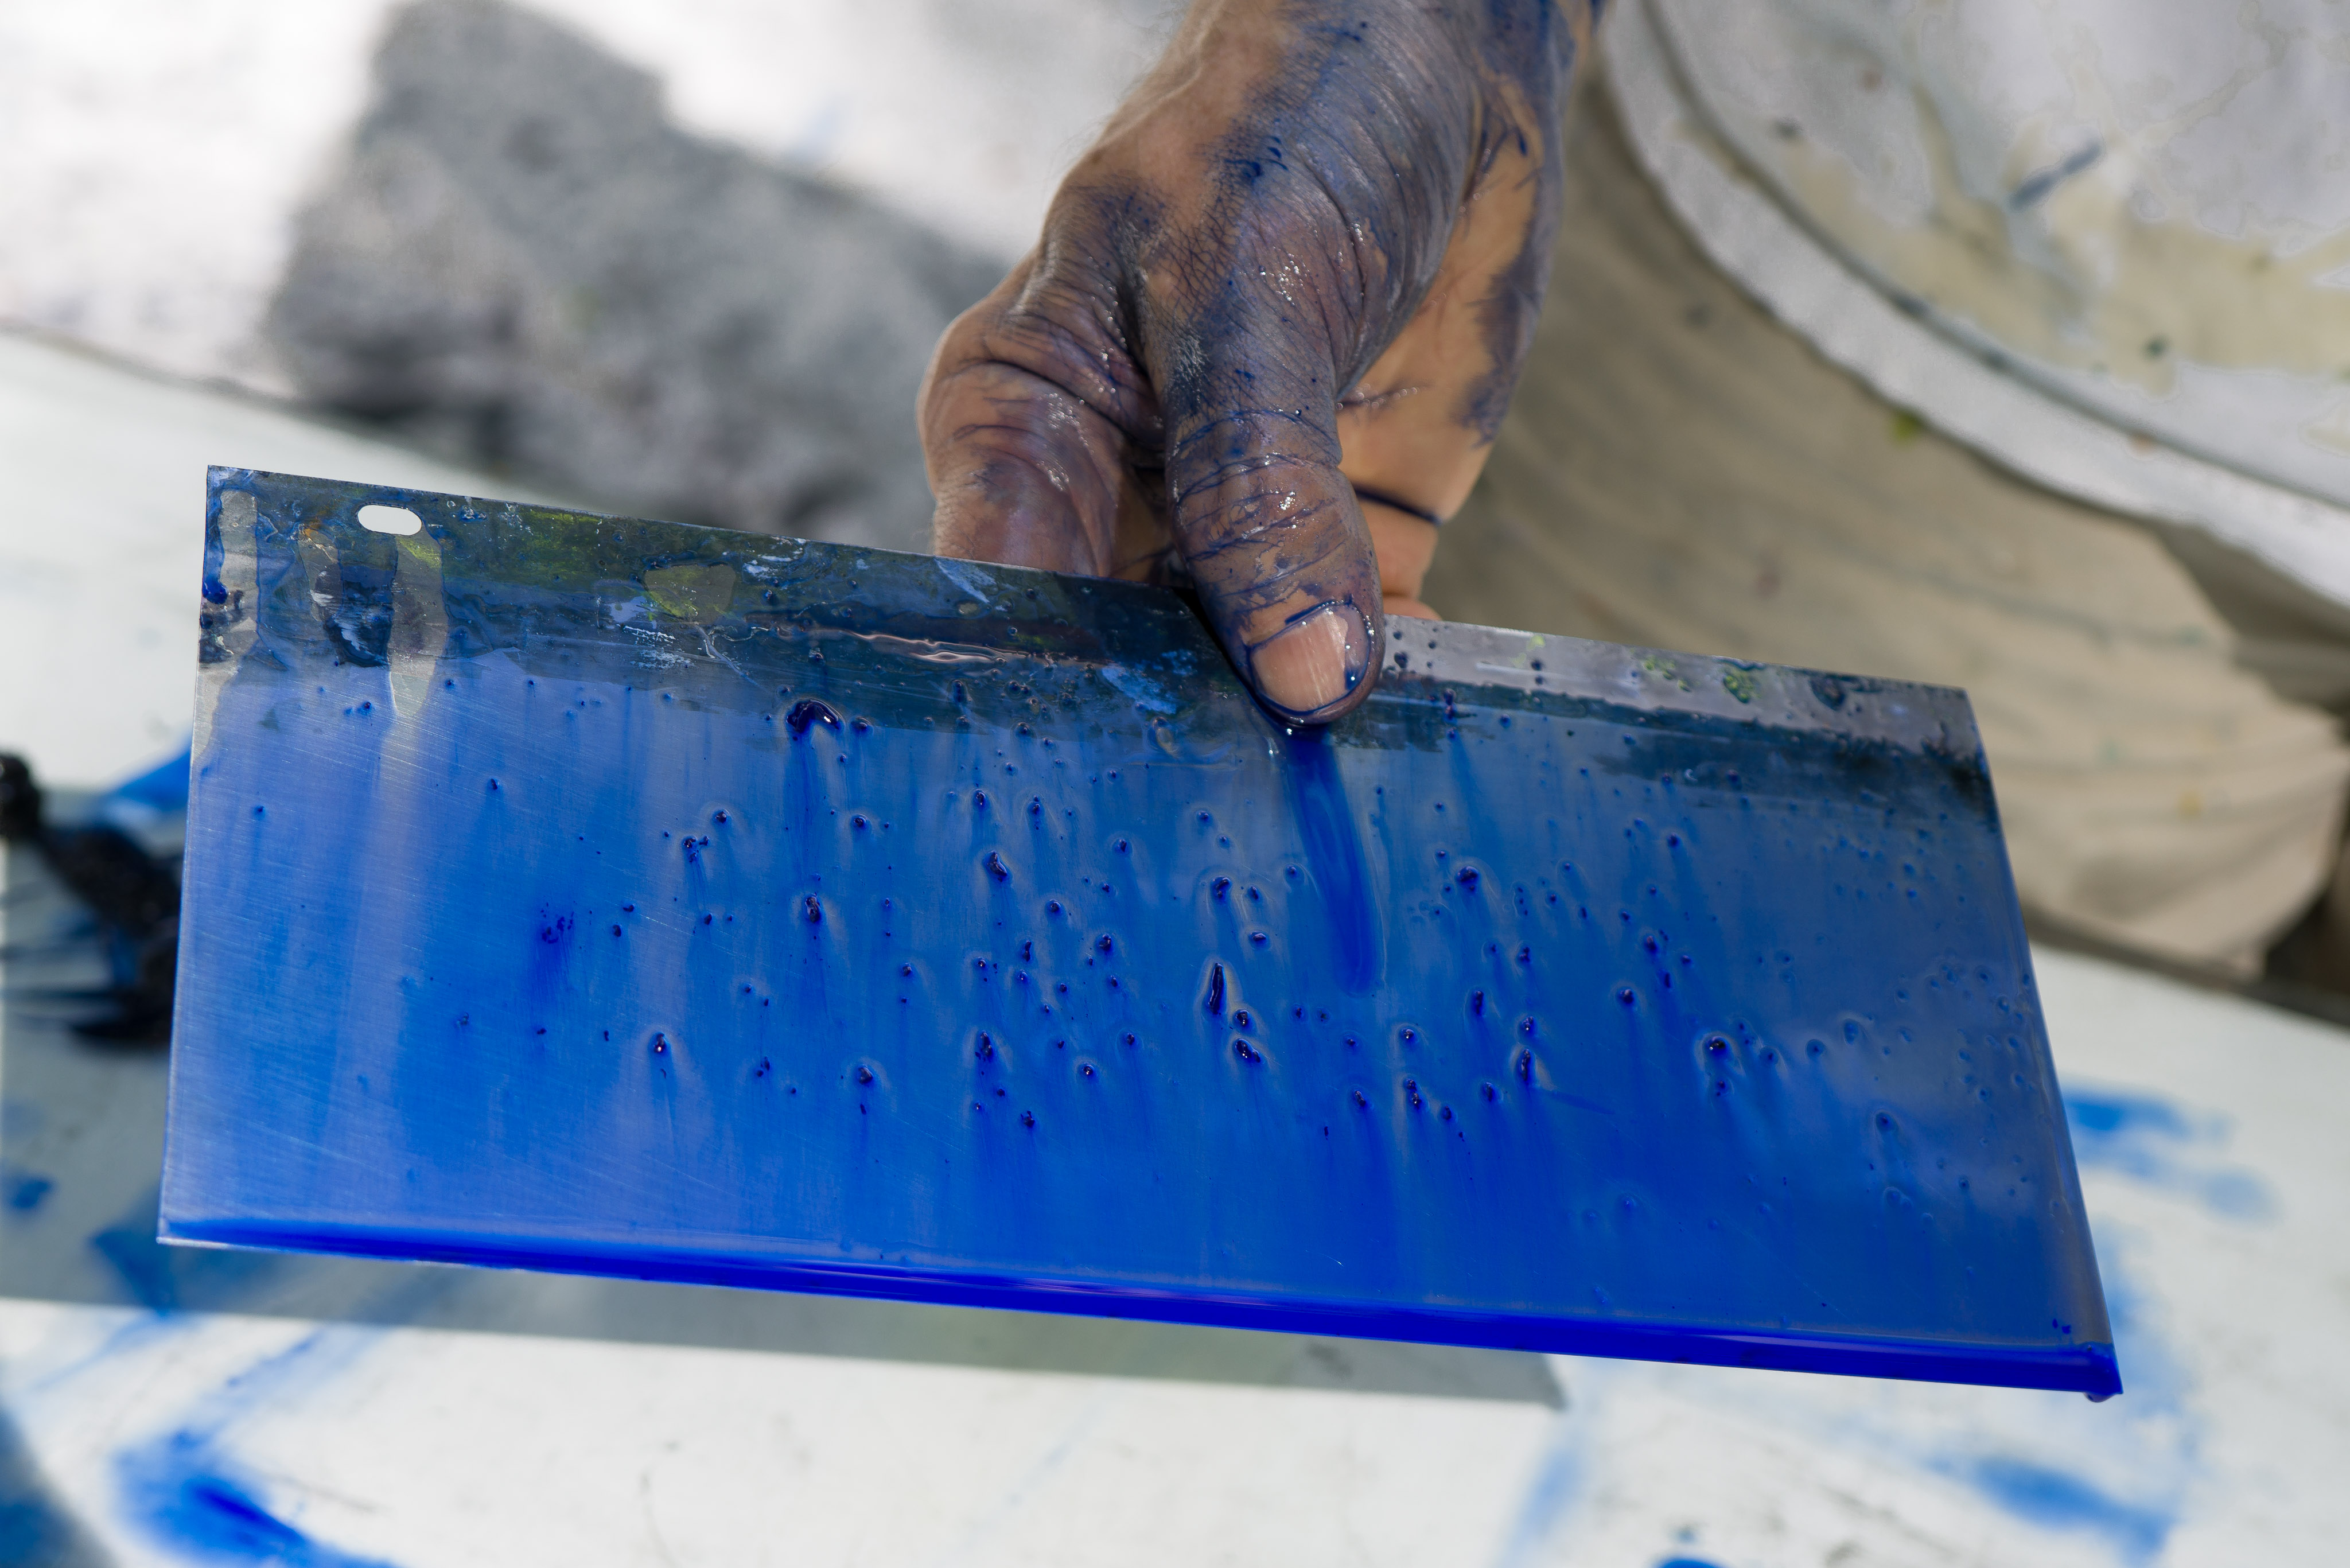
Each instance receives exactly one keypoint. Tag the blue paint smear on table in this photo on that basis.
(1553, 1489)
(2154, 1142)
(184, 1491)
(163, 788)
(187, 1497)
(2148, 1448)
(2058, 1500)
(609, 895)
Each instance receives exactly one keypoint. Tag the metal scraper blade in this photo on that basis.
(589, 894)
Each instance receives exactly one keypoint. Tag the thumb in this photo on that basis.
(1268, 527)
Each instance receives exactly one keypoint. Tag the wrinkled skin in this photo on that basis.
(1272, 324)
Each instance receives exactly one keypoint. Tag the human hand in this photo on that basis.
(1272, 324)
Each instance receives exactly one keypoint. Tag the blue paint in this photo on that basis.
(1686, 1562)
(162, 789)
(181, 1493)
(1548, 1494)
(170, 1279)
(138, 1261)
(1333, 860)
(1594, 1001)
(2155, 1143)
(186, 1492)
(24, 1190)
(1190, 332)
(2126, 1471)
(2057, 1501)
(1147, 694)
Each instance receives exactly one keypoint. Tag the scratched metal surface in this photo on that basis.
(615, 897)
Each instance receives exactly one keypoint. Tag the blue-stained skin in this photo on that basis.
(1272, 324)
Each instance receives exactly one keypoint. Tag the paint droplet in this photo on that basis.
(808, 711)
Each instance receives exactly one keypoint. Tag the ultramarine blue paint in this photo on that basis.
(1686, 1562)
(2128, 1470)
(2152, 1141)
(180, 1491)
(24, 1190)
(161, 788)
(1186, 339)
(166, 1278)
(729, 909)
(142, 1266)
(2057, 1501)
(1548, 1494)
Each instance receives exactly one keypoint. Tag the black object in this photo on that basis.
(133, 896)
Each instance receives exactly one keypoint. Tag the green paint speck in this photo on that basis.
(1659, 667)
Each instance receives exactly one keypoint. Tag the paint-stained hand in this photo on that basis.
(1272, 326)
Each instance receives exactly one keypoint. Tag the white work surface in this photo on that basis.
(162, 1406)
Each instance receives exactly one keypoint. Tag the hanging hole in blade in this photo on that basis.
(390, 520)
